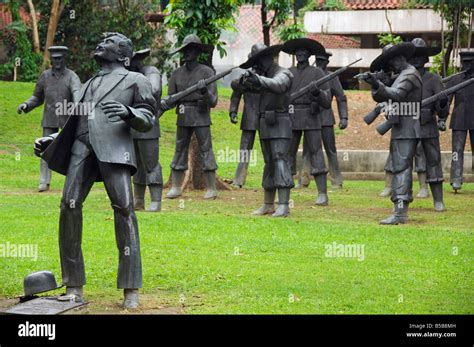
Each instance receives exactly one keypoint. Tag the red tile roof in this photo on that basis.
(6, 16)
(375, 4)
(249, 30)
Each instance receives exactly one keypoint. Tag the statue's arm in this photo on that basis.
(144, 106)
(278, 84)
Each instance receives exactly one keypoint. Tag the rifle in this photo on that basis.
(321, 81)
(387, 125)
(172, 100)
(448, 78)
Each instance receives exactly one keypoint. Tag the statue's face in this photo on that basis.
(190, 54)
(396, 63)
(108, 50)
(265, 62)
(322, 63)
(419, 61)
(58, 63)
(302, 55)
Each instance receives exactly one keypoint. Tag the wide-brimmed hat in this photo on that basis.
(467, 55)
(407, 49)
(141, 54)
(194, 41)
(313, 46)
(57, 51)
(259, 50)
(421, 48)
(324, 56)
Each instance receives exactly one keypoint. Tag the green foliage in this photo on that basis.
(291, 31)
(17, 40)
(207, 19)
(385, 39)
(82, 23)
(437, 65)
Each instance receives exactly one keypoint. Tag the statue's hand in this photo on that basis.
(233, 117)
(442, 125)
(41, 144)
(22, 108)
(115, 111)
(315, 89)
(202, 87)
(343, 123)
(164, 105)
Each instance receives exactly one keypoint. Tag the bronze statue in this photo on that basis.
(193, 115)
(462, 120)
(328, 121)
(405, 89)
(272, 83)
(248, 125)
(98, 146)
(305, 111)
(147, 144)
(56, 88)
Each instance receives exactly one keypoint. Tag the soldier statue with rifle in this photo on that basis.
(305, 111)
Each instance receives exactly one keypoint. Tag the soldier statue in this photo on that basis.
(248, 125)
(56, 88)
(272, 83)
(304, 111)
(147, 144)
(98, 146)
(328, 121)
(194, 115)
(462, 119)
(406, 88)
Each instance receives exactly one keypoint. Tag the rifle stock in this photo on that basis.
(370, 117)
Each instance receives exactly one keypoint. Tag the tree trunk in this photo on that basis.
(265, 26)
(34, 22)
(56, 9)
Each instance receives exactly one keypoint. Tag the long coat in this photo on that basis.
(111, 141)
(462, 117)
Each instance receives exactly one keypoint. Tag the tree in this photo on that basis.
(207, 19)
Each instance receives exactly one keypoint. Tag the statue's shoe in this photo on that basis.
(174, 193)
(423, 193)
(282, 211)
(131, 300)
(439, 206)
(386, 192)
(43, 187)
(155, 206)
(264, 209)
(456, 186)
(322, 200)
(210, 194)
(394, 220)
(73, 294)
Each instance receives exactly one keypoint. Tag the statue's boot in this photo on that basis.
(177, 178)
(268, 206)
(387, 191)
(210, 180)
(130, 299)
(299, 183)
(456, 186)
(322, 185)
(400, 215)
(139, 196)
(73, 294)
(156, 191)
(283, 208)
(423, 193)
(437, 191)
(43, 187)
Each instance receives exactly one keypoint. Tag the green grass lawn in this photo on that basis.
(213, 257)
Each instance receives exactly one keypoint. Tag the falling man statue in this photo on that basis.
(194, 116)
(146, 145)
(57, 88)
(272, 83)
(98, 146)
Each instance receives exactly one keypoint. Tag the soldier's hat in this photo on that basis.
(141, 54)
(260, 50)
(194, 41)
(313, 46)
(324, 56)
(57, 51)
(467, 55)
(407, 49)
(421, 48)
